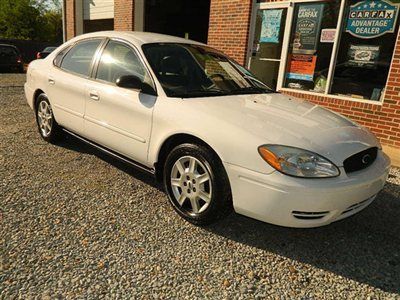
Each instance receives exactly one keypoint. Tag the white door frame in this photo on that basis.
(286, 35)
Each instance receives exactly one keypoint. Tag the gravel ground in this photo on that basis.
(77, 224)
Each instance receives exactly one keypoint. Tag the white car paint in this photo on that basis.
(137, 125)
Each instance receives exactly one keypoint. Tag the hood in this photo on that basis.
(284, 120)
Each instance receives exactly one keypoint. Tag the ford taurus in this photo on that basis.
(216, 136)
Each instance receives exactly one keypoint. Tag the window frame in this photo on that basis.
(100, 52)
(290, 6)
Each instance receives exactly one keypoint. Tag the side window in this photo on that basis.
(59, 56)
(118, 60)
(79, 58)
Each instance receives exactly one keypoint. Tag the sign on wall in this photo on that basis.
(365, 56)
(271, 26)
(370, 19)
(308, 26)
(301, 67)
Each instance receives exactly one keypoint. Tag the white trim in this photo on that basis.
(335, 51)
(270, 59)
(285, 46)
(332, 96)
(78, 17)
(139, 15)
(270, 5)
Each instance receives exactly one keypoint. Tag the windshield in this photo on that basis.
(189, 71)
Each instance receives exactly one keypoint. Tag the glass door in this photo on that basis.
(266, 52)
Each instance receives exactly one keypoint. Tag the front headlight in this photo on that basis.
(297, 162)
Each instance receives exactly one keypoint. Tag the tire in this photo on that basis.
(48, 128)
(198, 200)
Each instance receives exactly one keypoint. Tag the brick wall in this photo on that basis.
(124, 14)
(229, 27)
(70, 19)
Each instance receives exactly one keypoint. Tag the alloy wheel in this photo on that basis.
(191, 185)
(45, 118)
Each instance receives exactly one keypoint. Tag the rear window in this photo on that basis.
(49, 49)
(8, 51)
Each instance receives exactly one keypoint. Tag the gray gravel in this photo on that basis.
(77, 224)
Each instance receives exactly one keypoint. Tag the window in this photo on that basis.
(309, 51)
(190, 71)
(79, 58)
(336, 47)
(8, 53)
(118, 60)
(60, 55)
(365, 50)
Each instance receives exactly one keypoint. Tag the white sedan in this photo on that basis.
(217, 137)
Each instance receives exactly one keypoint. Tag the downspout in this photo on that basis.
(63, 10)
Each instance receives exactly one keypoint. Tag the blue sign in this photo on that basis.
(271, 26)
(308, 27)
(369, 19)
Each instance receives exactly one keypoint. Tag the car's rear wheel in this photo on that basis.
(48, 128)
(197, 184)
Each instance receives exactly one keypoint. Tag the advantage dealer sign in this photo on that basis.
(370, 19)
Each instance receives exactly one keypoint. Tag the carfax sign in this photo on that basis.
(369, 19)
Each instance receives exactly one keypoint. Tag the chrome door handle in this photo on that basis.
(94, 96)
(51, 81)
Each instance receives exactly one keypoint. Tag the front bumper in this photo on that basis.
(299, 202)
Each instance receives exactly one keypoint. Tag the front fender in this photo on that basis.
(232, 144)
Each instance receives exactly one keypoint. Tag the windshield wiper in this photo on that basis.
(199, 93)
(251, 90)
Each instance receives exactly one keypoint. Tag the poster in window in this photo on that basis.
(365, 56)
(308, 27)
(271, 26)
(328, 35)
(370, 19)
(301, 67)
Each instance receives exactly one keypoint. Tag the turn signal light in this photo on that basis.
(270, 158)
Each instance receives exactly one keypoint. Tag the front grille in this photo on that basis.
(360, 160)
(304, 215)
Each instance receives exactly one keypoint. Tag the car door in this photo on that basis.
(67, 82)
(119, 118)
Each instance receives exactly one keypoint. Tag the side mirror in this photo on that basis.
(134, 82)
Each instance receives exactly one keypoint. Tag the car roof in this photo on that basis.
(137, 37)
(8, 45)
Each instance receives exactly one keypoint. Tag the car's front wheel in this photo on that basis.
(197, 184)
(47, 125)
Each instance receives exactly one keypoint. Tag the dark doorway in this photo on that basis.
(98, 25)
(178, 17)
